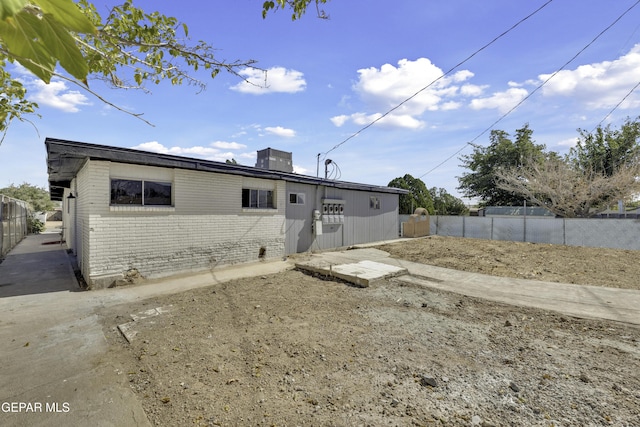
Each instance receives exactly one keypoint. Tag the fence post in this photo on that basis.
(491, 228)
(524, 225)
(464, 233)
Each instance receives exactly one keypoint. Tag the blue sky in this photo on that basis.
(327, 79)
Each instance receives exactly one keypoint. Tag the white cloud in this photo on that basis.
(387, 87)
(280, 131)
(249, 156)
(213, 152)
(598, 85)
(56, 95)
(502, 101)
(569, 142)
(472, 90)
(153, 146)
(390, 120)
(338, 121)
(228, 145)
(300, 170)
(390, 85)
(276, 79)
(450, 105)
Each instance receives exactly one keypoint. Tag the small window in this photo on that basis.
(296, 198)
(374, 202)
(142, 193)
(258, 199)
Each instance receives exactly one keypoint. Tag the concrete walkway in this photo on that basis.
(55, 368)
(621, 305)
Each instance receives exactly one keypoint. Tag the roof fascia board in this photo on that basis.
(66, 148)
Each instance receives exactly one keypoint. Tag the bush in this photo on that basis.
(35, 226)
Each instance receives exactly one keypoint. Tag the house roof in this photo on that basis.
(66, 158)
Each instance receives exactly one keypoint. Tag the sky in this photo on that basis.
(327, 80)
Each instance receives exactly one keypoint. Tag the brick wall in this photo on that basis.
(169, 244)
(206, 228)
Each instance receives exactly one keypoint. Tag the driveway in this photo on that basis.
(55, 366)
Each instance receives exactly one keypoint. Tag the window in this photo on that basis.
(157, 193)
(258, 199)
(141, 193)
(296, 198)
(374, 202)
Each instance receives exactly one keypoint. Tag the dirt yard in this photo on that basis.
(291, 349)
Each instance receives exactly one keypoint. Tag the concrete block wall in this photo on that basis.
(91, 192)
(172, 244)
(205, 228)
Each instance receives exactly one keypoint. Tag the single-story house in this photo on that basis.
(157, 215)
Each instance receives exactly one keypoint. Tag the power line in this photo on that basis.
(439, 78)
(536, 89)
(617, 105)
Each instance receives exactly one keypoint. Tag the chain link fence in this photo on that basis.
(14, 216)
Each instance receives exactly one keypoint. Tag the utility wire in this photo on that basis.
(617, 105)
(439, 78)
(535, 90)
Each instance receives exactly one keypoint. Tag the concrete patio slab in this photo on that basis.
(362, 274)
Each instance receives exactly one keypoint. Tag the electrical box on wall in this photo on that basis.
(332, 211)
(317, 223)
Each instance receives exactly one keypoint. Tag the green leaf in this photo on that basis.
(9, 8)
(22, 41)
(66, 13)
(62, 46)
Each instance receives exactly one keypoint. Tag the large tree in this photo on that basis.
(603, 168)
(605, 150)
(127, 48)
(447, 204)
(501, 153)
(569, 192)
(38, 198)
(419, 196)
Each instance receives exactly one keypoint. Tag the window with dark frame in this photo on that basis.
(257, 199)
(296, 198)
(141, 193)
(157, 193)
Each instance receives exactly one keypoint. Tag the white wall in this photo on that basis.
(205, 228)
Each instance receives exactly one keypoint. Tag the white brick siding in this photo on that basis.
(206, 228)
(169, 244)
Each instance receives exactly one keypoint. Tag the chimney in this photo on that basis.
(274, 160)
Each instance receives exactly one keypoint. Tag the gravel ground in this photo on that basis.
(291, 349)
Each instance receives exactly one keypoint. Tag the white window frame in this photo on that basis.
(258, 198)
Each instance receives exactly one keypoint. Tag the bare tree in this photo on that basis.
(570, 192)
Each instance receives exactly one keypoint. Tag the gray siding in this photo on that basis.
(362, 224)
